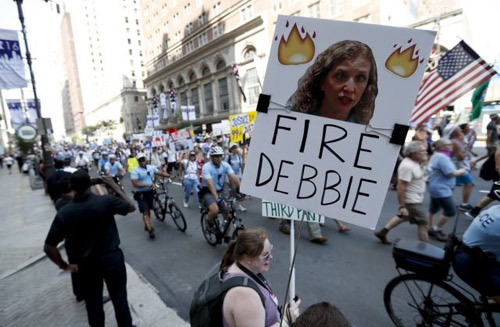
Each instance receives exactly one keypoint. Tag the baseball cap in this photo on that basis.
(192, 153)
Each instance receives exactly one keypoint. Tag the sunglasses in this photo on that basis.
(267, 256)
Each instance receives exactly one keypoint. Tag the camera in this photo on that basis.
(97, 180)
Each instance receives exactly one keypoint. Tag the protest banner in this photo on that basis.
(17, 116)
(328, 149)
(221, 128)
(180, 135)
(283, 211)
(157, 139)
(240, 124)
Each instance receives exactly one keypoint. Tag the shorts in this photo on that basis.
(208, 199)
(172, 165)
(447, 204)
(144, 200)
(464, 179)
(416, 214)
(482, 276)
(495, 191)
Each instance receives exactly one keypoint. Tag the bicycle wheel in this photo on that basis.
(413, 300)
(210, 233)
(158, 210)
(177, 216)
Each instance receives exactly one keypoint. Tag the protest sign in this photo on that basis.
(180, 135)
(278, 210)
(221, 128)
(329, 151)
(241, 124)
(188, 113)
(157, 139)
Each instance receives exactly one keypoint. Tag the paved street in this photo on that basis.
(351, 270)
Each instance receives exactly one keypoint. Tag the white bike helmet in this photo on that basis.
(216, 151)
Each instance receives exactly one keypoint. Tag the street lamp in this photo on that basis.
(47, 157)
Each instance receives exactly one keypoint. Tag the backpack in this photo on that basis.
(488, 171)
(206, 307)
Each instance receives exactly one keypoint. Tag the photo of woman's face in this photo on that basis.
(343, 87)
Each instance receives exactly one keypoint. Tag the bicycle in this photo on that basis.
(216, 233)
(164, 204)
(426, 294)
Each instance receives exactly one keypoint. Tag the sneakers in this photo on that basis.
(472, 213)
(151, 233)
(185, 204)
(465, 207)
(241, 208)
(382, 237)
(319, 240)
(438, 235)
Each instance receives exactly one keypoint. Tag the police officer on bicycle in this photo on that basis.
(213, 185)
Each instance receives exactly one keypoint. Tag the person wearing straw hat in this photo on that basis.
(442, 173)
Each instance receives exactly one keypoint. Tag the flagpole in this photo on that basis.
(47, 157)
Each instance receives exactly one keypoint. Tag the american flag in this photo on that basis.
(458, 71)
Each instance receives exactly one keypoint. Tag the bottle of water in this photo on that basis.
(163, 200)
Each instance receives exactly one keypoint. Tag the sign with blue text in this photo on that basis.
(337, 90)
(278, 210)
(11, 62)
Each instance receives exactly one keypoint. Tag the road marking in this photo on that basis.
(484, 191)
(176, 183)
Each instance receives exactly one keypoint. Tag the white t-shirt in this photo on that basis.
(190, 168)
(413, 174)
(83, 161)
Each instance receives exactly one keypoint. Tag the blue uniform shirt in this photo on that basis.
(113, 168)
(144, 176)
(217, 175)
(484, 231)
(440, 185)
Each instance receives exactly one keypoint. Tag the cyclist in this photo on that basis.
(213, 185)
(142, 179)
(101, 170)
(477, 260)
(114, 169)
(81, 162)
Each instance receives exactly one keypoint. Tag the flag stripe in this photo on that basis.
(451, 96)
(446, 85)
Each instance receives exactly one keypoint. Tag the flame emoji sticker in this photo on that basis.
(297, 49)
(403, 63)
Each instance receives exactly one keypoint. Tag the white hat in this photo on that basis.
(140, 156)
(233, 144)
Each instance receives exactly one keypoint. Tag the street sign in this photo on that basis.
(27, 132)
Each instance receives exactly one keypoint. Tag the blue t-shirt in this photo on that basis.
(113, 168)
(217, 175)
(144, 176)
(440, 185)
(235, 161)
(101, 164)
(484, 231)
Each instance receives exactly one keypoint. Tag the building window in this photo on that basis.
(126, 19)
(336, 7)
(277, 5)
(136, 98)
(184, 99)
(133, 73)
(252, 83)
(314, 10)
(195, 101)
(216, 8)
(205, 72)
(187, 9)
(247, 13)
(217, 30)
(192, 77)
(130, 51)
(202, 19)
(203, 38)
(220, 65)
(223, 94)
(189, 46)
(250, 53)
(209, 101)
(129, 41)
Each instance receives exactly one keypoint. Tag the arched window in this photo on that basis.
(221, 64)
(170, 85)
(192, 76)
(250, 53)
(153, 91)
(205, 71)
(162, 88)
(180, 81)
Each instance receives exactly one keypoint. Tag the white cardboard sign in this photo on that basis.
(334, 156)
(278, 210)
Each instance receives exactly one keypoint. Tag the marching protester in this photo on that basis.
(82, 162)
(491, 138)
(92, 242)
(442, 173)
(322, 314)
(142, 178)
(235, 160)
(8, 160)
(410, 193)
(191, 179)
(250, 255)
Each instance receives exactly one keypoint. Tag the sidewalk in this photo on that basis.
(33, 293)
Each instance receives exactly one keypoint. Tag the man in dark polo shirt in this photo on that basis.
(88, 226)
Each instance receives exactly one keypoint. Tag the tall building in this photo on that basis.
(110, 56)
(72, 102)
(191, 46)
